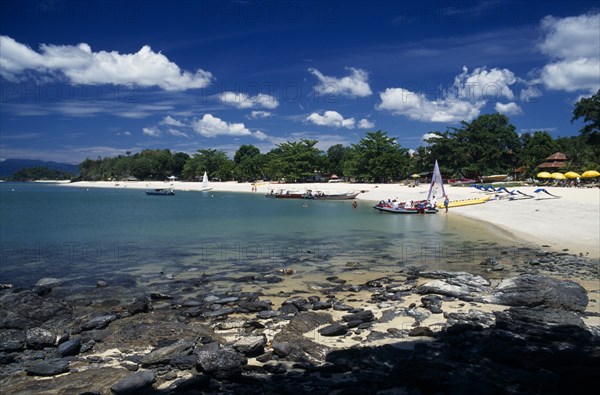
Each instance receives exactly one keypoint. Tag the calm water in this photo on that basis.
(57, 231)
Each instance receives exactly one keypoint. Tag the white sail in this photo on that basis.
(437, 184)
(205, 186)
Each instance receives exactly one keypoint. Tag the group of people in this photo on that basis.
(419, 205)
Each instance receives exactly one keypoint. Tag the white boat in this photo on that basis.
(205, 186)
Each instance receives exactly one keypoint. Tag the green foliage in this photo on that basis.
(378, 158)
(40, 173)
(536, 148)
(336, 156)
(248, 163)
(588, 108)
(212, 161)
(294, 161)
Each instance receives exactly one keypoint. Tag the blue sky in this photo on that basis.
(87, 79)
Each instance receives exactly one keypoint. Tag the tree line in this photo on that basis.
(487, 145)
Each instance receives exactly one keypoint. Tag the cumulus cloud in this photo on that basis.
(573, 44)
(80, 65)
(243, 100)
(151, 131)
(530, 93)
(210, 126)
(481, 83)
(331, 118)
(365, 124)
(511, 108)
(260, 135)
(416, 106)
(354, 85)
(259, 114)
(428, 136)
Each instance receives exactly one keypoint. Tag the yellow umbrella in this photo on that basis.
(558, 176)
(544, 174)
(415, 176)
(590, 174)
(572, 174)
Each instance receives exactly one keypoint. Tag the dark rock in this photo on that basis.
(224, 363)
(227, 299)
(38, 338)
(281, 349)
(268, 314)
(534, 290)
(26, 309)
(47, 367)
(266, 357)
(363, 316)
(163, 355)
(12, 340)
(140, 305)
(288, 309)
(313, 299)
(160, 296)
(420, 331)
(101, 284)
(339, 306)
(379, 283)
(542, 323)
(136, 383)
(219, 313)
(48, 282)
(184, 362)
(6, 358)
(273, 279)
(100, 322)
(250, 346)
(335, 329)
(335, 279)
(460, 285)
(472, 320)
(254, 306)
(318, 305)
(68, 348)
(432, 303)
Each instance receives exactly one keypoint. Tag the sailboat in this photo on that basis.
(205, 186)
(436, 191)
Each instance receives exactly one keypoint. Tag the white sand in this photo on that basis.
(571, 222)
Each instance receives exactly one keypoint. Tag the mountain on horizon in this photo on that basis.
(9, 167)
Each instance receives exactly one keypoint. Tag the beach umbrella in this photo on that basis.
(543, 174)
(590, 174)
(558, 176)
(572, 174)
(415, 176)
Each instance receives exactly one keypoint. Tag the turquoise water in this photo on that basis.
(65, 232)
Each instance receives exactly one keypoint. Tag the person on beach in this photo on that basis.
(446, 202)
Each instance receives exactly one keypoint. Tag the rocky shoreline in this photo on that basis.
(417, 331)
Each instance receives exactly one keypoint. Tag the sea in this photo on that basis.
(83, 235)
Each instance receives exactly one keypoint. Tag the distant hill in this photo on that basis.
(11, 166)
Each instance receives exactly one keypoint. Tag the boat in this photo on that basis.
(466, 202)
(494, 178)
(284, 194)
(401, 208)
(205, 186)
(320, 195)
(161, 192)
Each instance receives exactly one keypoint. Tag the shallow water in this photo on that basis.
(78, 233)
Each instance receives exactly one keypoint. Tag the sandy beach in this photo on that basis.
(569, 222)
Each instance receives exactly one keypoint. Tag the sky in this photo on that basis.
(93, 79)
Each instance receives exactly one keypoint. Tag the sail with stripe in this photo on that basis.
(436, 189)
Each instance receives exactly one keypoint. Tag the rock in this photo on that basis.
(136, 383)
(268, 314)
(47, 367)
(250, 346)
(472, 320)
(219, 313)
(12, 340)
(534, 290)
(224, 363)
(420, 331)
(160, 296)
(48, 282)
(281, 349)
(100, 322)
(362, 316)
(27, 309)
(184, 362)
(318, 305)
(335, 279)
(101, 284)
(542, 323)
(38, 338)
(140, 305)
(254, 306)
(460, 285)
(432, 303)
(339, 306)
(335, 329)
(68, 348)
(228, 299)
(418, 313)
(163, 355)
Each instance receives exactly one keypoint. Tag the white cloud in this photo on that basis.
(331, 118)
(260, 135)
(574, 45)
(259, 114)
(365, 124)
(428, 136)
(243, 100)
(80, 65)
(354, 85)
(175, 132)
(210, 126)
(484, 83)
(511, 108)
(151, 131)
(416, 106)
(168, 120)
(529, 94)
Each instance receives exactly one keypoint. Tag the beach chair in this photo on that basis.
(541, 191)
